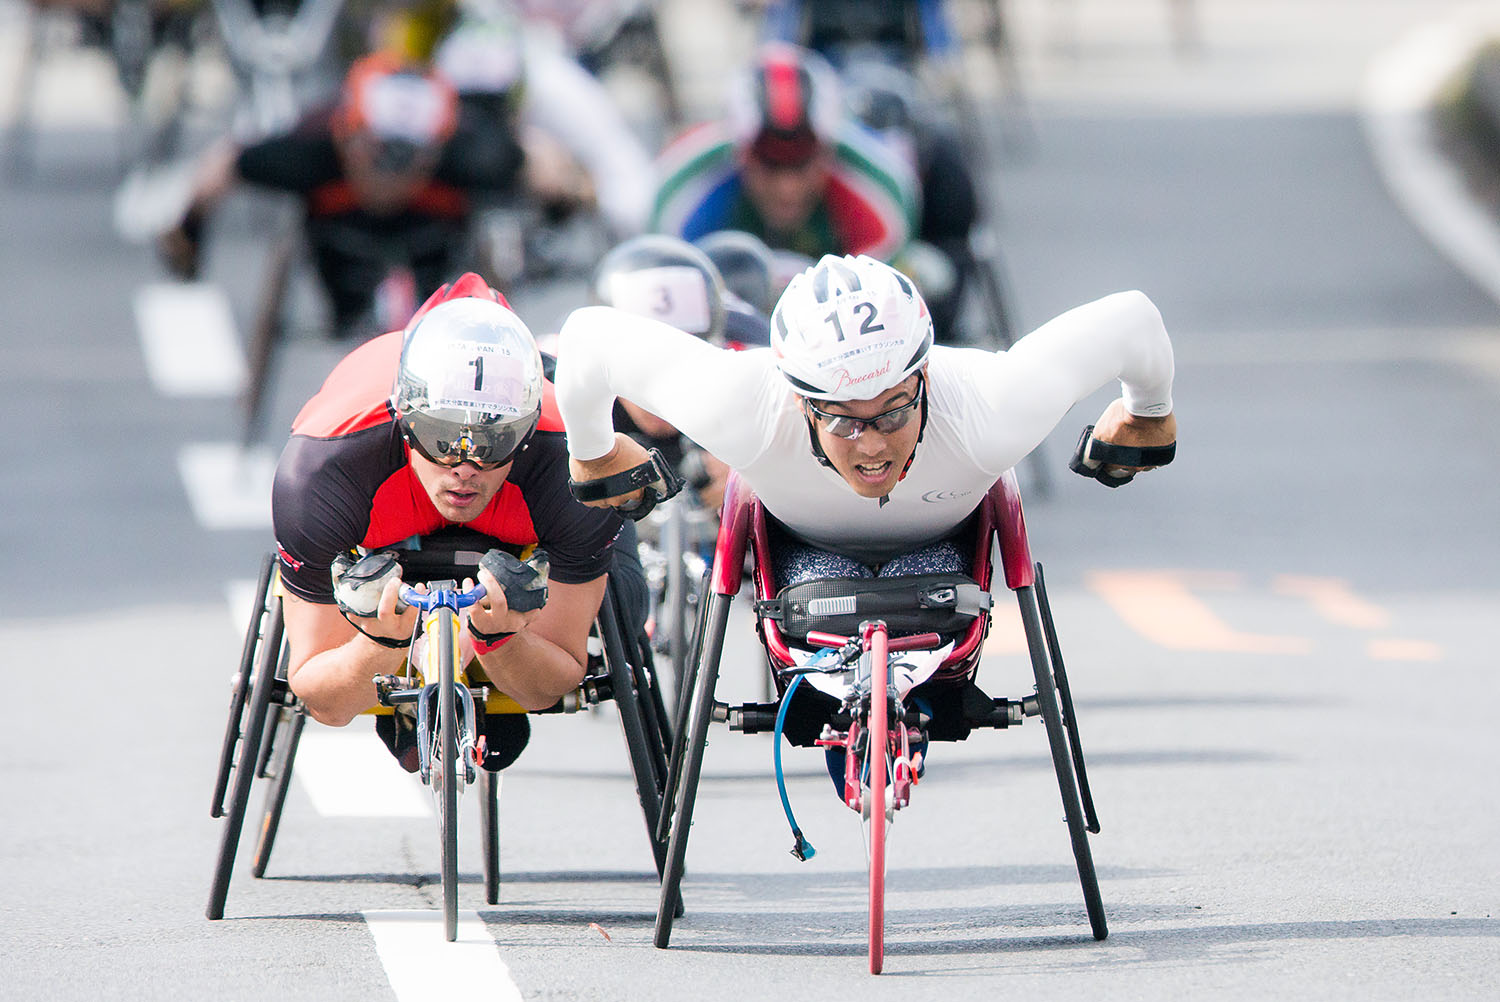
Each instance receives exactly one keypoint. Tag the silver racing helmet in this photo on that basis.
(469, 384)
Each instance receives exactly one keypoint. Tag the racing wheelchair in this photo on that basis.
(266, 720)
(878, 704)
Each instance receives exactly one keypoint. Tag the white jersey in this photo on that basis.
(986, 411)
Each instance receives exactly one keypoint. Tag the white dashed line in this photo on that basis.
(347, 773)
(188, 336)
(422, 965)
(228, 487)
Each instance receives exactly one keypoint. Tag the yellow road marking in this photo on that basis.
(1397, 649)
(1159, 606)
(1334, 600)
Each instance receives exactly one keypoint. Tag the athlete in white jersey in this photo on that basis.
(856, 433)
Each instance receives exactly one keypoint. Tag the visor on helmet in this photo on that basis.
(450, 443)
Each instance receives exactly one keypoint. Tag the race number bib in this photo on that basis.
(480, 377)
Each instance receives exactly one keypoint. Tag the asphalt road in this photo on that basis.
(1280, 646)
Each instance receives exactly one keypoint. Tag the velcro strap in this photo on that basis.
(1131, 455)
(525, 582)
(357, 584)
(1093, 458)
(655, 476)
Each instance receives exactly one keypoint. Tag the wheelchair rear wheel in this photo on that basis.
(692, 736)
(268, 658)
(489, 828)
(241, 687)
(642, 721)
(286, 724)
(1062, 755)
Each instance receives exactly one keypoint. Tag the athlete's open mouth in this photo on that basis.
(873, 472)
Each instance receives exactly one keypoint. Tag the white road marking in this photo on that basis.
(1401, 87)
(347, 773)
(422, 965)
(188, 335)
(240, 594)
(228, 487)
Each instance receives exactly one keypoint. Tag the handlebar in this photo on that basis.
(451, 598)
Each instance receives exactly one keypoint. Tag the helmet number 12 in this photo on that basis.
(867, 324)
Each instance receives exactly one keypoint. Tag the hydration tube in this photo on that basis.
(801, 847)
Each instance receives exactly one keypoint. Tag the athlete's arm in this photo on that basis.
(570, 105)
(719, 399)
(1009, 401)
(332, 665)
(550, 656)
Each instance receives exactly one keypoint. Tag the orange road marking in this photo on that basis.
(1159, 606)
(1396, 649)
(1334, 600)
(1007, 635)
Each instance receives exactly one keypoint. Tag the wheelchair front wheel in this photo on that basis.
(445, 776)
(876, 794)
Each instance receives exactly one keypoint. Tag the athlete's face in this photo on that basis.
(872, 462)
(459, 492)
(785, 196)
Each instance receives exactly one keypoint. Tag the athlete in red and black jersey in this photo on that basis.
(386, 176)
(347, 478)
(449, 423)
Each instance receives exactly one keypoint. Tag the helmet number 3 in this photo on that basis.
(868, 320)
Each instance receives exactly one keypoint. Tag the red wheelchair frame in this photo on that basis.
(998, 520)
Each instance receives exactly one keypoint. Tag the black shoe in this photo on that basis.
(180, 248)
(505, 737)
(399, 733)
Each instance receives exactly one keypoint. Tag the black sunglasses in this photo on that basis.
(886, 422)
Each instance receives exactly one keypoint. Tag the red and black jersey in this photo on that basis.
(344, 480)
(481, 155)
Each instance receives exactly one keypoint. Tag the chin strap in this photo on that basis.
(1093, 458)
(655, 477)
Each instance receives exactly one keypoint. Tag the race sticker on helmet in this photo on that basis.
(467, 375)
(673, 294)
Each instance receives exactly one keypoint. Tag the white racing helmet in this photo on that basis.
(664, 278)
(850, 328)
(469, 385)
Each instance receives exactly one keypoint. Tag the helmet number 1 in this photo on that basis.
(867, 324)
(478, 365)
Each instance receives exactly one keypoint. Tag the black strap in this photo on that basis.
(390, 642)
(1106, 454)
(655, 476)
(490, 638)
